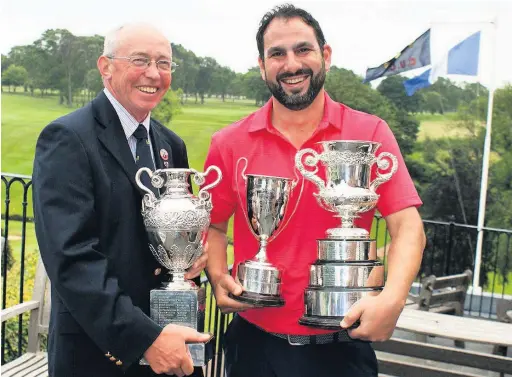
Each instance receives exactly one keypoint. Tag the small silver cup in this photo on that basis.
(267, 201)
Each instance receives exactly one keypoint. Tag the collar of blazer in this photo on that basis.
(111, 135)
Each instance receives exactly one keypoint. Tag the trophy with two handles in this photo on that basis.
(347, 266)
(177, 225)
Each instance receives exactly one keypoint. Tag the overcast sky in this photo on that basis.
(361, 33)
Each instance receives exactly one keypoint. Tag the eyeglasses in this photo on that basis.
(144, 62)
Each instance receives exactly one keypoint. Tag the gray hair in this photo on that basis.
(112, 38)
(111, 41)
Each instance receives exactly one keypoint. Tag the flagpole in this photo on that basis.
(485, 168)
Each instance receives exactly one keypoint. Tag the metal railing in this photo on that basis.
(450, 250)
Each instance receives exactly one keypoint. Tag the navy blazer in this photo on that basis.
(93, 242)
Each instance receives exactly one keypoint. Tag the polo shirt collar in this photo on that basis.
(332, 116)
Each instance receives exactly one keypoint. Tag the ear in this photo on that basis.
(105, 67)
(262, 69)
(327, 53)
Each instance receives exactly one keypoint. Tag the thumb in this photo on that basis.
(352, 316)
(193, 336)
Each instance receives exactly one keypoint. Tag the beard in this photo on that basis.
(297, 101)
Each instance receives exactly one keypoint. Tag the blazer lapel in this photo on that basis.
(112, 136)
(161, 149)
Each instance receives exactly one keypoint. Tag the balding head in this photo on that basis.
(123, 34)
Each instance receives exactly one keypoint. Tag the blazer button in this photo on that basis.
(108, 354)
(158, 271)
(112, 358)
(119, 363)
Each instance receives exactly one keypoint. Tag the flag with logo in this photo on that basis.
(415, 55)
(462, 59)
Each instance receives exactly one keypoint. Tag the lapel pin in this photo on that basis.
(164, 154)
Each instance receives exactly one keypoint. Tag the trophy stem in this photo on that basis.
(178, 277)
(262, 252)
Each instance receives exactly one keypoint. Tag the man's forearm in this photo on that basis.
(404, 259)
(217, 252)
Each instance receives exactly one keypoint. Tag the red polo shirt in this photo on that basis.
(269, 153)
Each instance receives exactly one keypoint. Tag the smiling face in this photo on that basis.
(138, 89)
(294, 67)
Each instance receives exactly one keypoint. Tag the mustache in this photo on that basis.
(285, 75)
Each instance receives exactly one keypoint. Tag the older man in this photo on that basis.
(88, 221)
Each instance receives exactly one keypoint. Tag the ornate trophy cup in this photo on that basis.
(347, 267)
(267, 199)
(177, 225)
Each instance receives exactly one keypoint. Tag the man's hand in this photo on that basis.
(199, 265)
(378, 316)
(223, 286)
(168, 354)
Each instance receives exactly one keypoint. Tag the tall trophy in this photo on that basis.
(267, 200)
(347, 267)
(177, 224)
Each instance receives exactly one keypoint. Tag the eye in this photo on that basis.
(303, 50)
(276, 54)
(139, 61)
(164, 65)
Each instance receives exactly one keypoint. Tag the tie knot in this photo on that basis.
(140, 133)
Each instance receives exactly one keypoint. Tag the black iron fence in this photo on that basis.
(450, 250)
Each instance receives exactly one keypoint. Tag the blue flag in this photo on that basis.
(462, 59)
(415, 55)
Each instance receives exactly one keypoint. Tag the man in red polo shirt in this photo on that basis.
(265, 342)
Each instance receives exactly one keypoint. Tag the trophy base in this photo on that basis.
(326, 323)
(258, 300)
(201, 353)
(174, 304)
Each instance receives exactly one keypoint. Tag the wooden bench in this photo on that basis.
(442, 295)
(34, 362)
(408, 358)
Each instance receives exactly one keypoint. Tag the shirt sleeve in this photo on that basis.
(399, 192)
(222, 195)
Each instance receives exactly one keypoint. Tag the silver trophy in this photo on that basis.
(267, 200)
(347, 267)
(177, 224)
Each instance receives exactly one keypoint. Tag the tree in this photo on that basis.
(393, 89)
(221, 81)
(433, 102)
(205, 76)
(347, 87)
(169, 106)
(255, 87)
(6, 62)
(14, 76)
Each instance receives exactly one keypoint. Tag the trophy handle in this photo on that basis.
(310, 161)
(294, 183)
(384, 165)
(238, 192)
(199, 179)
(149, 197)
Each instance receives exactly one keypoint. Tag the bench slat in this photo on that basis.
(28, 365)
(40, 372)
(399, 368)
(445, 354)
(451, 281)
(444, 297)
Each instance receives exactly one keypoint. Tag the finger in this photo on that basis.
(192, 336)
(229, 284)
(352, 315)
(187, 367)
(200, 262)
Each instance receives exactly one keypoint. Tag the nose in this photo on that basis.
(152, 71)
(292, 62)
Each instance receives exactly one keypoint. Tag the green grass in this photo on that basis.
(497, 284)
